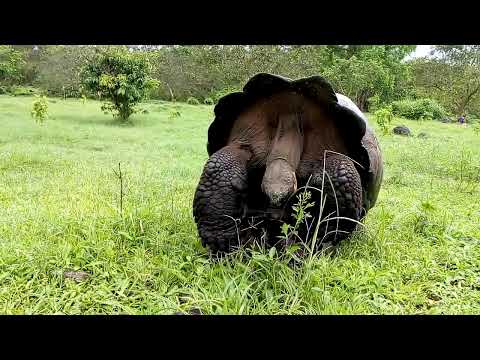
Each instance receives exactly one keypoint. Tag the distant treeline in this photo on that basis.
(370, 75)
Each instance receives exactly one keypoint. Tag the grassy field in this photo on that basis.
(59, 211)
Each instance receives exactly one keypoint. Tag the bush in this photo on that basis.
(58, 69)
(374, 103)
(476, 128)
(23, 91)
(208, 101)
(11, 63)
(418, 109)
(40, 109)
(217, 95)
(121, 78)
(384, 118)
(193, 101)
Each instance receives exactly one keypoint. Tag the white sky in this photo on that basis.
(421, 50)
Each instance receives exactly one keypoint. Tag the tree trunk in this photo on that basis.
(172, 98)
(362, 101)
(463, 104)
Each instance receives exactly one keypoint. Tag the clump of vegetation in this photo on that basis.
(121, 78)
(23, 91)
(174, 113)
(40, 109)
(300, 215)
(476, 128)
(193, 101)
(384, 118)
(465, 169)
(419, 109)
(11, 63)
(208, 101)
(472, 120)
(217, 95)
(374, 103)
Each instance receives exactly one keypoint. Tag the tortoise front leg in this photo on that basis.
(219, 201)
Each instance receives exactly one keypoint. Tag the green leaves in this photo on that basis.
(272, 252)
(453, 77)
(384, 118)
(120, 77)
(285, 228)
(40, 109)
(418, 109)
(368, 71)
(11, 62)
(106, 81)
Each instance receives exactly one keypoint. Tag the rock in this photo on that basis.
(78, 276)
(402, 130)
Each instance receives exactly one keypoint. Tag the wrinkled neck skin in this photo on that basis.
(279, 181)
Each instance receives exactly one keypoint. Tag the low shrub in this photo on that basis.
(384, 118)
(418, 109)
(217, 95)
(23, 91)
(40, 109)
(208, 101)
(193, 101)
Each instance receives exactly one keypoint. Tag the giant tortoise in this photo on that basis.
(266, 144)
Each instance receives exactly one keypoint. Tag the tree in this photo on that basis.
(11, 62)
(120, 77)
(209, 70)
(58, 68)
(452, 77)
(361, 72)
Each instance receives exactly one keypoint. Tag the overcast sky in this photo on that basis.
(422, 50)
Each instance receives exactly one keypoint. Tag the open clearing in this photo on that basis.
(419, 253)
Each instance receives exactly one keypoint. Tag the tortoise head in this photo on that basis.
(279, 182)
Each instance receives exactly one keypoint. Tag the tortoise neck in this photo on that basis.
(287, 145)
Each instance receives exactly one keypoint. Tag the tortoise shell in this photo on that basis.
(362, 144)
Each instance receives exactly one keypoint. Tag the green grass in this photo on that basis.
(419, 252)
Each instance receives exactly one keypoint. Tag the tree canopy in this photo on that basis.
(11, 62)
(119, 77)
(452, 76)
